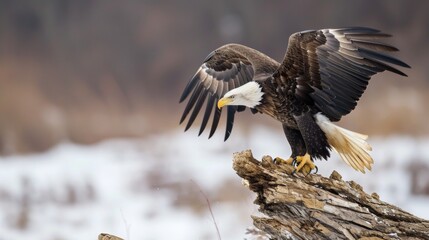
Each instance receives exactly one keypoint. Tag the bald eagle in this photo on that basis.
(321, 78)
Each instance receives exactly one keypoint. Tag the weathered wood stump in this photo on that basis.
(316, 207)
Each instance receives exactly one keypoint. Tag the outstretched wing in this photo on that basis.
(223, 69)
(331, 67)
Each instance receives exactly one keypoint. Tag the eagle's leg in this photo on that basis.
(316, 143)
(296, 143)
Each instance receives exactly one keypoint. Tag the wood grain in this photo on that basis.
(316, 207)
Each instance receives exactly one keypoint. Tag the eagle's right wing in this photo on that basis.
(332, 67)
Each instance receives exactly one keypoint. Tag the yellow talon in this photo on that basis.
(288, 161)
(305, 165)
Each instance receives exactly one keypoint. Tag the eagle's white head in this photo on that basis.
(249, 95)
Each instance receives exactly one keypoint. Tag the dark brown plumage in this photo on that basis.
(324, 73)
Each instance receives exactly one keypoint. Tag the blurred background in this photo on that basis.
(89, 135)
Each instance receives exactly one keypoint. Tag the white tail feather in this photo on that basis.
(351, 146)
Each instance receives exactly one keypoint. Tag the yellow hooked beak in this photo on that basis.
(223, 101)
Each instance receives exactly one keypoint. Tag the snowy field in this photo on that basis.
(150, 188)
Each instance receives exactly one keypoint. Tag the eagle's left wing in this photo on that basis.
(223, 69)
(331, 67)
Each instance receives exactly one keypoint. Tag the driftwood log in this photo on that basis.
(315, 207)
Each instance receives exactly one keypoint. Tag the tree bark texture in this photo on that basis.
(315, 207)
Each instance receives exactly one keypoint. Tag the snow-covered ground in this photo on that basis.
(150, 188)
